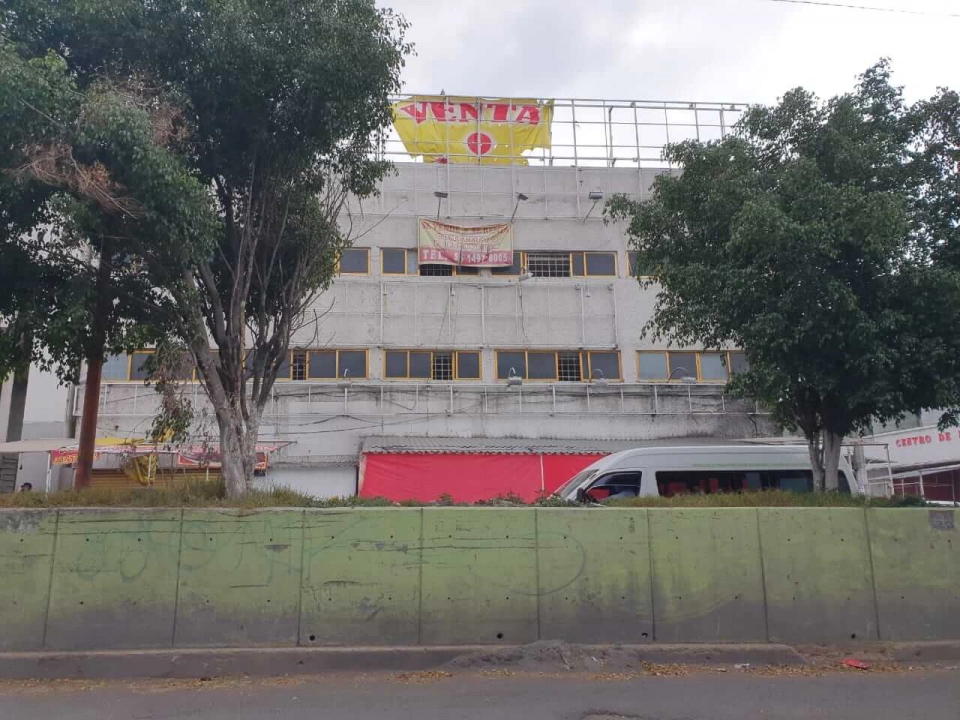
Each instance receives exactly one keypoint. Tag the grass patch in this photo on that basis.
(212, 494)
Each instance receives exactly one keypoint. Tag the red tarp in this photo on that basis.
(465, 477)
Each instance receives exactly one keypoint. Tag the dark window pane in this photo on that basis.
(434, 270)
(683, 364)
(507, 360)
(420, 365)
(468, 365)
(138, 369)
(712, 367)
(394, 262)
(353, 363)
(616, 486)
(354, 261)
(578, 264)
(601, 263)
(396, 364)
(442, 366)
(542, 366)
(283, 371)
(653, 366)
(605, 365)
(115, 367)
(468, 270)
(184, 366)
(738, 363)
(323, 364)
(413, 262)
(636, 269)
(512, 270)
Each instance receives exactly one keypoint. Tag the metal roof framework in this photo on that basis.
(401, 445)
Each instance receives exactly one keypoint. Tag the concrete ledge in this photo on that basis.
(273, 662)
(927, 652)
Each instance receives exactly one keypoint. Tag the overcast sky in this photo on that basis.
(694, 50)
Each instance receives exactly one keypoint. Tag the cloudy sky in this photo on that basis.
(692, 50)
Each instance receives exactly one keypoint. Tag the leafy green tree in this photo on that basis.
(68, 291)
(810, 238)
(273, 109)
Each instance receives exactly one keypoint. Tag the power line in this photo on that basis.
(823, 3)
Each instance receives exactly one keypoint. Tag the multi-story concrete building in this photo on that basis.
(539, 359)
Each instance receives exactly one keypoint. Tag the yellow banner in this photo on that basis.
(473, 130)
(444, 244)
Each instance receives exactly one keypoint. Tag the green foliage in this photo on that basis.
(815, 238)
(204, 151)
(168, 369)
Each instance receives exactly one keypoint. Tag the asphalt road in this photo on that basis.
(931, 695)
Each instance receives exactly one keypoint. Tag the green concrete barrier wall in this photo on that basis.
(107, 579)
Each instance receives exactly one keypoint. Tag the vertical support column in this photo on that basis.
(583, 319)
(383, 294)
(483, 315)
(636, 135)
(576, 157)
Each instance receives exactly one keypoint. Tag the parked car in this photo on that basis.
(668, 471)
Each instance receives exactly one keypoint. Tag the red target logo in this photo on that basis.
(479, 143)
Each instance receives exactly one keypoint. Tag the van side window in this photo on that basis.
(617, 486)
(677, 482)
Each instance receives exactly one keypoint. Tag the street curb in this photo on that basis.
(928, 652)
(219, 662)
(275, 662)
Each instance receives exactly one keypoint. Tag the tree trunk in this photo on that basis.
(95, 350)
(832, 442)
(824, 447)
(237, 450)
(815, 447)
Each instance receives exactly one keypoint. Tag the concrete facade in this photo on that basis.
(487, 313)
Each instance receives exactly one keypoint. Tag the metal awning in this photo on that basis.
(520, 446)
(31, 446)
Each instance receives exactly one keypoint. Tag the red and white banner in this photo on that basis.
(441, 243)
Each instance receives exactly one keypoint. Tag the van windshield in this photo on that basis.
(575, 481)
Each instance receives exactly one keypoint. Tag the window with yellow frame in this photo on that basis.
(559, 365)
(404, 261)
(703, 366)
(431, 365)
(298, 364)
(560, 264)
(136, 367)
(354, 261)
(324, 364)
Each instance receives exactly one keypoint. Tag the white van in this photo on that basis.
(671, 471)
